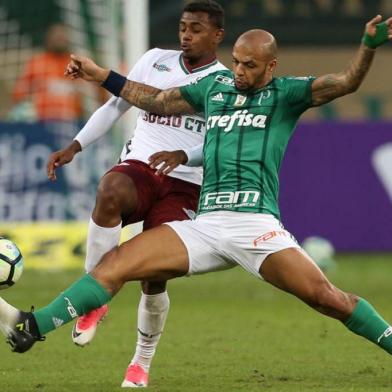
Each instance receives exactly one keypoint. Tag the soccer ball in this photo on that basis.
(321, 251)
(11, 263)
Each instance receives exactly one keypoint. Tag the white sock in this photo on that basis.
(99, 241)
(152, 313)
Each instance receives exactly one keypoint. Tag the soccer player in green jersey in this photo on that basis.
(250, 117)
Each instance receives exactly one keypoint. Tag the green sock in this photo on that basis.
(83, 296)
(366, 322)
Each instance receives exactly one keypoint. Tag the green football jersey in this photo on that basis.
(246, 138)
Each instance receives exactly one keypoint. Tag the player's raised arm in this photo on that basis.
(141, 95)
(328, 87)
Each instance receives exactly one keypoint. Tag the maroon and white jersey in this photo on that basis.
(162, 69)
(165, 69)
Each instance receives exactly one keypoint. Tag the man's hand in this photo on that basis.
(85, 68)
(166, 161)
(61, 158)
(377, 32)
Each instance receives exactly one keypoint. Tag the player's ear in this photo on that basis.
(272, 65)
(219, 35)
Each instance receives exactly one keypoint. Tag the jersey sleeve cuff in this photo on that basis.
(185, 94)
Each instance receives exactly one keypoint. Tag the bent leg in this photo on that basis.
(293, 271)
(154, 255)
(176, 199)
(152, 313)
(157, 254)
(116, 195)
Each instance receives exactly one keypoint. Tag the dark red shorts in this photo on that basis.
(160, 198)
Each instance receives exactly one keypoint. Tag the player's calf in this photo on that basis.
(329, 300)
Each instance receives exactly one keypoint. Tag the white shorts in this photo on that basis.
(223, 239)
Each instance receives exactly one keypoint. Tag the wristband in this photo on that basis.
(380, 38)
(114, 83)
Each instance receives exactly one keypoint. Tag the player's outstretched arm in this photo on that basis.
(145, 97)
(328, 87)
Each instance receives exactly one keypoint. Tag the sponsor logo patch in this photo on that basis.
(269, 235)
(224, 80)
(239, 118)
(190, 213)
(240, 100)
(218, 98)
(161, 67)
(71, 310)
(386, 333)
(57, 322)
(231, 199)
(264, 95)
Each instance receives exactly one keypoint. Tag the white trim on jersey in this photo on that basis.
(195, 156)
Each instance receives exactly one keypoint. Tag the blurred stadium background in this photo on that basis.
(336, 182)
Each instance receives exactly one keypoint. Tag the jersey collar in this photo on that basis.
(188, 69)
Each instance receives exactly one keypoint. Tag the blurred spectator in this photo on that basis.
(42, 91)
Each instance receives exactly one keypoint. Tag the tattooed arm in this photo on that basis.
(328, 87)
(141, 95)
(154, 100)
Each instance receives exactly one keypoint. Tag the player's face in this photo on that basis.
(251, 68)
(199, 37)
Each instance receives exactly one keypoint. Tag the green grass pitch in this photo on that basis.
(226, 331)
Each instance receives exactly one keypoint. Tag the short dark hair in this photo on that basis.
(210, 7)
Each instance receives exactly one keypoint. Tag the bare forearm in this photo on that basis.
(328, 87)
(151, 99)
(359, 66)
(137, 94)
(164, 102)
(331, 86)
(148, 98)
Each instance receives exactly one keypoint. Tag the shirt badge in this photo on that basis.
(264, 95)
(161, 67)
(240, 100)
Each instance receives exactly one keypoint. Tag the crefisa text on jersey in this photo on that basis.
(238, 118)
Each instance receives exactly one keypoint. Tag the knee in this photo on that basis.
(107, 197)
(114, 191)
(106, 274)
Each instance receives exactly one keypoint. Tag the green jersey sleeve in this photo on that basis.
(195, 93)
(299, 92)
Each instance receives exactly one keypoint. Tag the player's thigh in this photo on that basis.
(202, 241)
(134, 182)
(251, 244)
(176, 205)
(117, 189)
(156, 254)
(292, 270)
